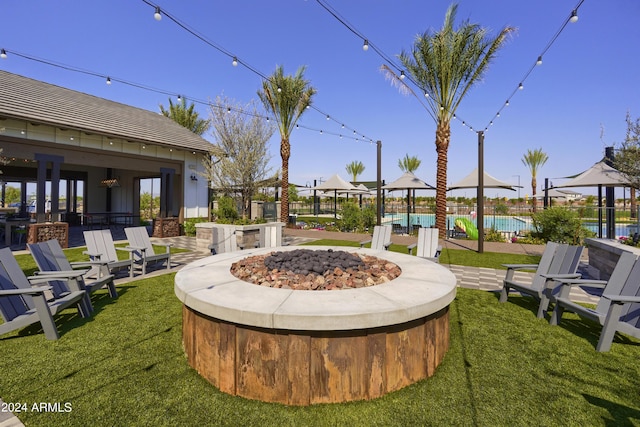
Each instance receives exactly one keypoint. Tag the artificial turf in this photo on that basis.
(126, 366)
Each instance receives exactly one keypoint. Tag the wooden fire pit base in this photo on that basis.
(302, 368)
(308, 347)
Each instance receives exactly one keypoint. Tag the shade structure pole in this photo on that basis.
(379, 183)
(610, 198)
(480, 213)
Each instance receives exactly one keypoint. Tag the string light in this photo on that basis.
(234, 62)
(179, 98)
(157, 15)
(520, 86)
(539, 61)
(574, 16)
(402, 75)
(109, 81)
(365, 46)
(3, 54)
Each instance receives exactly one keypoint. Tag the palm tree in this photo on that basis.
(186, 116)
(354, 169)
(534, 160)
(445, 65)
(410, 164)
(287, 97)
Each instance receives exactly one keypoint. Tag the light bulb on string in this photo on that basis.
(402, 75)
(234, 62)
(279, 89)
(365, 46)
(179, 98)
(109, 80)
(3, 54)
(520, 87)
(157, 15)
(507, 103)
(539, 61)
(574, 17)
(328, 118)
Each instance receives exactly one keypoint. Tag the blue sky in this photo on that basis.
(587, 82)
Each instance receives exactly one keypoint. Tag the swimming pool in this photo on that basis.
(499, 222)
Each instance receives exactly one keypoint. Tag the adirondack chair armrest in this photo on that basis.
(166, 245)
(25, 291)
(51, 275)
(88, 263)
(520, 266)
(580, 282)
(137, 248)
(92, 254)
(411, 247)
(126, 249)
(364, 242)
(622, 299)
(438, 251)
(386, 245)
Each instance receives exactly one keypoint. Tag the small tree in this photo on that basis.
(351, 217)
(534, 159)
(627, 159)
(239, 163)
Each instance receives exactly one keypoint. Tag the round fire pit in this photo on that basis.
(305, 347)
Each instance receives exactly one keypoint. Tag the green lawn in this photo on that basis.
(126, 366)
(452, 256)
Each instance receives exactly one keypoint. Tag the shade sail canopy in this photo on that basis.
(335, 183)
(471, 181)
(598, 174)
(408, 181)
(552, 192)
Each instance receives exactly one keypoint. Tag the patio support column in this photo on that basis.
(56, 161)
(166, 192)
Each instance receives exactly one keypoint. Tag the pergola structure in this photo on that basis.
(50, 134)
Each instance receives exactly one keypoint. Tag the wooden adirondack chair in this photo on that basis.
(558, 260)
(381, 239)
(100, 248)
(618, 310)
(22, 304)
(427, 245)
(55, 267)
(144, 253)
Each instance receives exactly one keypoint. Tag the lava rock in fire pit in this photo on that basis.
(305, 261)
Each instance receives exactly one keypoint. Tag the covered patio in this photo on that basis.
(86, 157)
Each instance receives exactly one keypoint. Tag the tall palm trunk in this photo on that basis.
(534, 201)
(443, 136)
(285, 152)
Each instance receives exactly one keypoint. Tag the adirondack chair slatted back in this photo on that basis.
(101, 242)
(624, 280)
(47, 258)
(631, 312)
(548, 256)
(12, 277)
(139, 238)
(381, 236)
(427, 242)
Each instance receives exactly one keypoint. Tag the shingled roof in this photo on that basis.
(39, 102)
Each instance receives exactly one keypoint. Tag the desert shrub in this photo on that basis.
(190, 225)
(559, 225)
(493, 235)
(351, 217)
(369, 217)
(226, 212)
